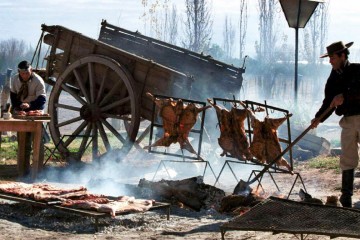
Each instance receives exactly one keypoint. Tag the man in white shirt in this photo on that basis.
(27, 93)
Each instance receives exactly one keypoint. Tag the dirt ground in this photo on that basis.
(19, 221)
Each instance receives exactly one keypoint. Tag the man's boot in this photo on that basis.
(347, 186)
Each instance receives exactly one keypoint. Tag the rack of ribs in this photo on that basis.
(76, 197)
(120, 205)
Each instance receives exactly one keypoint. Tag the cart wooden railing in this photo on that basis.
(100, 90)
(99, 87)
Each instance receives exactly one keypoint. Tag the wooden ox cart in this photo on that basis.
(99, 87)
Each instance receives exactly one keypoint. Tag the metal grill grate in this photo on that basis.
(285, 216)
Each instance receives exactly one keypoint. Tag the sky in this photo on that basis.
(21, 19)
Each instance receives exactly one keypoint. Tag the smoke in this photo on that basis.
(111, 176)
(107, 176)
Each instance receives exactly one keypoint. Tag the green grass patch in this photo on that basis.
(8, 150)
(9, 147)
(325, 163)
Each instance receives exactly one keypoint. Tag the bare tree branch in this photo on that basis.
(198, 25)
(315, 34)
(229, 37)
(242, 27)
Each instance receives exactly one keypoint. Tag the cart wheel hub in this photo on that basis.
(91, 113)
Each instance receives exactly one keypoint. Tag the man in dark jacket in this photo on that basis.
(342, 92)
(27, 93)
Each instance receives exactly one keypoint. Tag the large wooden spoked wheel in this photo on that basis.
(93, 105)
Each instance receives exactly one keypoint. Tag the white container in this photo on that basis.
(7, 115)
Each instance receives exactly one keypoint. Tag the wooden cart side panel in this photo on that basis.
(180, 61)
(108, 31)
(160, 83)
(83, 46)
(210, 77)
(148, 75)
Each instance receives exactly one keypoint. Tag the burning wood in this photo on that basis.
(307, 198)
(191, 192)
(238, 203)
(178, 120)
(332, 200)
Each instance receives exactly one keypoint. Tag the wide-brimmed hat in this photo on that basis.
(335, 48)
(24, 66)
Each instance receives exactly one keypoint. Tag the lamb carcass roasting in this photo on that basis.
(169, 111)
(187, 120)
(178, 120)
(265, 145)
(238, 116)
(232, 138)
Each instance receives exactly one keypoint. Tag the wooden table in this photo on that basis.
(22, 127)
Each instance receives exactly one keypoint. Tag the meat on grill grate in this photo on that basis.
(43, 192)
(76, 197)
(120, 205)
